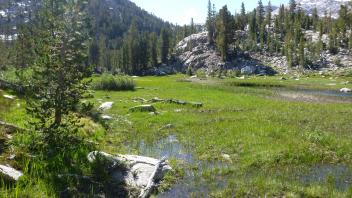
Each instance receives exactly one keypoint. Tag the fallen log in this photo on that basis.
(172, 101)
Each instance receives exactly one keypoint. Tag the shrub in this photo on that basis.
(114, 83)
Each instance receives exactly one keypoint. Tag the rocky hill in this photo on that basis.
(329, 6)
(194, 52)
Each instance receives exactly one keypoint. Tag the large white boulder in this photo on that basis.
(106, 106)
(345, 90)
(138, 169)
(10, 173)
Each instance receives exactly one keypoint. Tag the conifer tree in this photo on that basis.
(269, 10)
(132, 42)
(243, 17)
(153, 57)
(315, 19)
(350, 41)
(224, 32)
(192, 26)
(302, 60)
(57, 86)
(260, 14)
(253, 26)
(210, 24)
(165, 45)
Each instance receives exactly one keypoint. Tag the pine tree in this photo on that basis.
(302, 60)
(333, 43)
(292, 9)
(132, 42)
(269, 10)
(243, 17)
(350, 41)
(210, 24)
(153, 57)
(164, 47)
(193, 28)
(343, 21)
(23, 48)
(260, 14)
(315, 19)
(56, 86)
(253, 26)
(224, 32)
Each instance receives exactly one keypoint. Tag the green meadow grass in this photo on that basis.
(271, 141)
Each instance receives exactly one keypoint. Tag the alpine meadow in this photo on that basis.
(107, 98)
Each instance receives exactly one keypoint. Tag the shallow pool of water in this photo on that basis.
(341, 176)
(193, 183)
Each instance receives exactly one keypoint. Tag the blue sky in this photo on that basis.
(181, 11)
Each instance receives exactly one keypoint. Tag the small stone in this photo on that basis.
(143, 108)
(106, 106)
(226, 157)
(106, 117)
(10, 97)
(345, 90)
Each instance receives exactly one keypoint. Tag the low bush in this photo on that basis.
(114, 83)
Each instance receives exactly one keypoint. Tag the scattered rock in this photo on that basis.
(248, 70)
(345, 90)
(138, 171)
(226, 157)
(106, 106)
(106, 117)
(143, 108)
(10, 174)
(168, 126)
(10, 97)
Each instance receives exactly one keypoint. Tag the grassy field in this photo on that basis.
(246, 140)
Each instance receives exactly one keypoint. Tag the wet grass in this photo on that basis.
(257, 132)
(243, 142)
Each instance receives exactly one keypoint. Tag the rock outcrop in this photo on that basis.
(9, 174)
(194, 51)
(139, 172)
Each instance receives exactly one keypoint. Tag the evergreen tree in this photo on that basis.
(133, 47)
(243, 17)
(315, 19)
(164, 50)
(153, 44)
(210, 24)
(260, 14)
(302, 60)
(350, 41)
(292, 9)
(57, 86)
(224, 32)
(253, 26)
(269, 10)
(192, 26)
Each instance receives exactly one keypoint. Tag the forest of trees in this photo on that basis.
(124, 38)
(279, 35)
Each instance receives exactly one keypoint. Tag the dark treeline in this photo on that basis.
(124, 38)
(283, 34)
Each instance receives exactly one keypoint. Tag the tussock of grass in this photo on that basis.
(253, 84)
(108, 82)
